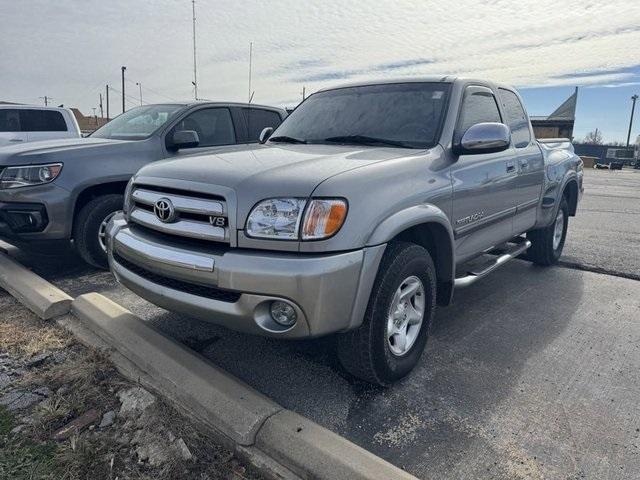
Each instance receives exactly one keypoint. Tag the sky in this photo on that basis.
(69, 50)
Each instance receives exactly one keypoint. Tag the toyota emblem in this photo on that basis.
(164, 210)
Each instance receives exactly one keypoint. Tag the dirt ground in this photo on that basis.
(66, 414)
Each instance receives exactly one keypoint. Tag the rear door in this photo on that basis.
(529, 159)
(257, 119)
(10, 129)
(43, 124)
(484, 185)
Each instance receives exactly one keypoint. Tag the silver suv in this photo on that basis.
(356, 216)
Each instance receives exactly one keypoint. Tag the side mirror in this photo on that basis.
(265, 134)
(185, 139)
(483, 138)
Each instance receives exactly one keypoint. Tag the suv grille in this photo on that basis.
(180, 285)
(187, 214)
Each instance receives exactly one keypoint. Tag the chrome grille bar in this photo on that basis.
(182, 228)
(181, 203)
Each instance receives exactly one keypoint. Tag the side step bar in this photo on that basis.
(477, 273)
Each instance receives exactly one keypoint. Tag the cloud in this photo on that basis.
(73, 49)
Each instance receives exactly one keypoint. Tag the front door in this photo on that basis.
(484, 185)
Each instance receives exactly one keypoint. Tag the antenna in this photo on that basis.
(250, 96)
(195, 71)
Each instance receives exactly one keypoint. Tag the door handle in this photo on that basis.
(511, 167)
(524, 164)
(16, 140)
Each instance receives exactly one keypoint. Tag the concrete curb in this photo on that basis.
(32, 291)
(262, 430)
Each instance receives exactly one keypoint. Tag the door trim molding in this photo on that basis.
(483, 222)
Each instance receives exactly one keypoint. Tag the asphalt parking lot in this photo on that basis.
(532, 373)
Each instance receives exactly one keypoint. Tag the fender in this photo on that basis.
(400, 221)
(552, 197)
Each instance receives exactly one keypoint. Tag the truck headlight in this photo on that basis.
(277, 218)
(280, 218)
(27, 175)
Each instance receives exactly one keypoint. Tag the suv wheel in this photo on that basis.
(392, 337)
(547, 243)
(90, 228)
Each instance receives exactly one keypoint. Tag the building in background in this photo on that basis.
(88, 124)
(560, 123)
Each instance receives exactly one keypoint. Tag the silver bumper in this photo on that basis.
(329, 292)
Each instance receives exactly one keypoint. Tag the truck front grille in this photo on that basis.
(213, 293)
(194, 215)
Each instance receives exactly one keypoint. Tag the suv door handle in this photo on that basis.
(524, 163)
(511, 166)
(16, 140)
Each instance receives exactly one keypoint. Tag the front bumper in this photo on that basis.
(37, 213)
(235, 287)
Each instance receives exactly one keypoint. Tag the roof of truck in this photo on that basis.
(191, 103)
(422, 79)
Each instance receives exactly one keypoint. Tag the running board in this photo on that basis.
(477, 273)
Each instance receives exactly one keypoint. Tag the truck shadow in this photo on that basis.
(426, 422)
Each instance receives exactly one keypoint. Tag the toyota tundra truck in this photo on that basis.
(367, 207)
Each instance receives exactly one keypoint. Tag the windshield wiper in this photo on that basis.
(286, 139)
(365, 140)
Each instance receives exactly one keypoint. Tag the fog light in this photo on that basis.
(283, 313)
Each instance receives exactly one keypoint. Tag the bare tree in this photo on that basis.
(593, 138)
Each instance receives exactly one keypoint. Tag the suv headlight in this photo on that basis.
(281, 218)
(27, 175)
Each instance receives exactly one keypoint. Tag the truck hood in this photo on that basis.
(258, 172)
(59, 150)
(286, 170)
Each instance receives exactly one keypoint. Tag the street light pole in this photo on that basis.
(123, 69)
(633, 107)
(140, 86)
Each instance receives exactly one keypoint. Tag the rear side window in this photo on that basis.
(9, 120)
(516, 118)
(478, 107)
(42, 121)
(258, 119)
(213, 125)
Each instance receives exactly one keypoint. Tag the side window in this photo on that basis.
(42, 121)
(9, 120)
(516, 118)
(258, 119)
(477, 107)
(213, 125)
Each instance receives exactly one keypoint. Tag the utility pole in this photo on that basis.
(195, 69)
(140, 86)
(250, 63)
(633, 107)
(46, 100)
(107, 90)
(304, 92)
(123, 68)
(101, 110)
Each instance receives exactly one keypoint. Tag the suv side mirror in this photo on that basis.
(265, 134)
(185, 139)
(483, 138)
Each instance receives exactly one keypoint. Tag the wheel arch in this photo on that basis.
(429, 227)
(93, 191)
(570, 192)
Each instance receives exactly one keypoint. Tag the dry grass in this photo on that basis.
(27, 335)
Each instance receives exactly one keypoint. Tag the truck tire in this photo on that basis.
(392, 337)
(88, 234)
(547, 243)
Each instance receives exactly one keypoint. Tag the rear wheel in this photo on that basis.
(547, 243)
(392, 337)
(90, 228)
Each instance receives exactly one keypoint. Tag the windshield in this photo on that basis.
(400, 114)
(138, 123)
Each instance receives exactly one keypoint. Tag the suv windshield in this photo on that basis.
(138, 123)
(398, 114)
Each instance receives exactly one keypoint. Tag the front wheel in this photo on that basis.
(393, 335)
(90, 228)
(547, 243)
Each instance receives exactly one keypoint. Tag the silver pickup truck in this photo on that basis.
(357, 216)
